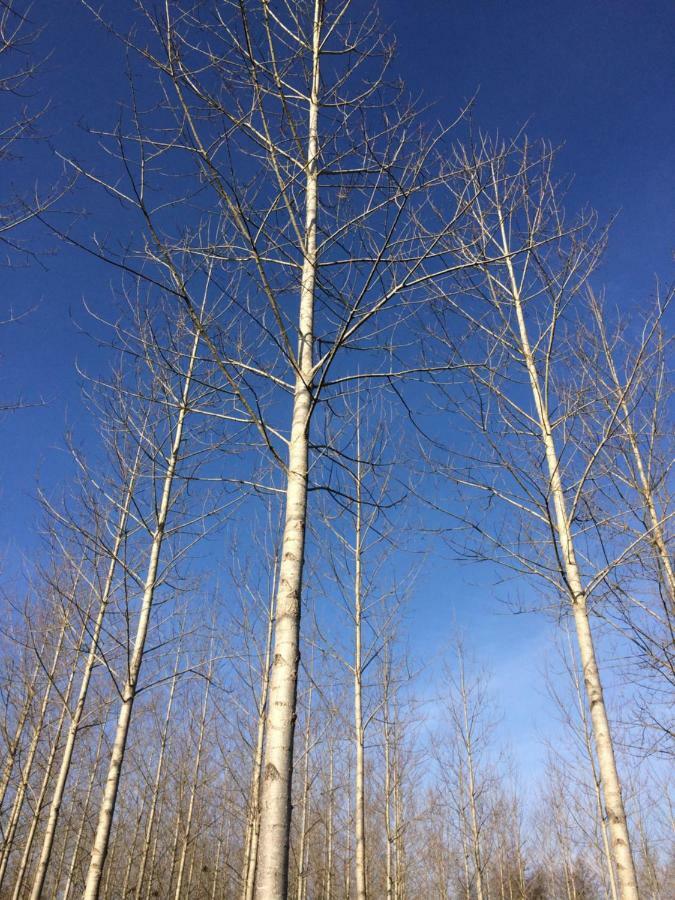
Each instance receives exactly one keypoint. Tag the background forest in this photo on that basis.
(337, 538)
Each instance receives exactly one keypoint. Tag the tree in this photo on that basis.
(318, 210)
(523, 454)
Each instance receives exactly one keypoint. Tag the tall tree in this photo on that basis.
(522, 426)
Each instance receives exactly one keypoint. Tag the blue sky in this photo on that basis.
(595, 76)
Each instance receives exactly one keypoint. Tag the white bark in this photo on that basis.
(621, 849)
(48, 767)
(107, 809)
(69, 886)
(360, 803)
(253, 822)
(302, 852)
(147, 841)
(26, 769)
(78, 712)
(275, 813)
(195, 782)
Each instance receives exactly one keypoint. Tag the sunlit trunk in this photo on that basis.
(107, 809)
(616, 814)
(275, 812)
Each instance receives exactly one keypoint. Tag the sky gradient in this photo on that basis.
(594, 77)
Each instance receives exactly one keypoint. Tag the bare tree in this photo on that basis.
(523, 452)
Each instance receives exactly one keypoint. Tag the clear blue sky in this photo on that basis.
(597, 76)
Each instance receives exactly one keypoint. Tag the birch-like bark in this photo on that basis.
(389, 852)
(132, 847)
(400, 880)
(157, 784)
(69, 885)
(195, 782)
(89, 666)
(360, 804)
(654, 521)
(597, 781)
(107, 809)
(302, 852)
(39, 801)
(616, 814)
(15, 742)
(216, 869)
(253, 822)
(275, 812)
(27, 767)
(330, 825)
(176, 836)
(467, 739)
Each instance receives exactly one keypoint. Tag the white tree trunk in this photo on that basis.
(253, 823)
(147, 840)
(302, 852)
(616, 814)
(193, 787)
(275, 812)
(360, 803)
(78, 712)
(107, 809)
(83, 820)
(26, 769)
(48, 767)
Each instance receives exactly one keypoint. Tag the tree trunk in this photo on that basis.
(26, 769)
(147, 840)
(616, 813)
(78, 712)
(275, 813)
(83, 820)
(253, 823)
(360, 805)
(302, 854)
(328, 891)
(107, 809)
(195, 780)
(49, 764)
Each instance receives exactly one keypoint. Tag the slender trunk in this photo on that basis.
(176, 837)
(348, 858)
(195, 782)
(463, 826)
(302, 875)
(15, 742)
(606, 861)
(26, 769)
(78, 712)
(107, 809)
(110, 871)
(389, 874)
(83, 819)
(400, 884)
(49, 765)
(328, 892)
(253, 823)
(360, 805)
(644, 487)
(616, 814)
(216, 868)
(151, 871)
(132, 849)
(275, 812)
(473, 810)
(147, 840)
(62, 858)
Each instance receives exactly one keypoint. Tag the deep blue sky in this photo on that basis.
(595, 76)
